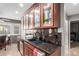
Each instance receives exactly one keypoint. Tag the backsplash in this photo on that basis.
(53, 36)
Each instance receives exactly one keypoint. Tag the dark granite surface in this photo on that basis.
(46, 47)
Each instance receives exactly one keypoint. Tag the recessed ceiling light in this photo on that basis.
(21, 5)
(17, 12)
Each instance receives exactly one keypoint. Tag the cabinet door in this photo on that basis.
(47, 14)
(26, 50)
(22, 22)
(56, 7)
(26, 21)
(37, 16)
(18, 45)
(57, 52)
(21, 47)
(31, 19)
(30, 53)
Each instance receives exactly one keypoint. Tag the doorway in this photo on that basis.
(74, 38)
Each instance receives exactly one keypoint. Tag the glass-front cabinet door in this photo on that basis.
(47, 14)
(30, 20)
(37, 17)
(26, 21)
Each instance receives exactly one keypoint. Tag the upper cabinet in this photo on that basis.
(47, 15)
(31, 19)
(26, 21)
(37, 16)
(22, 22)
(51, 14)
(42, 15)
(56, 14)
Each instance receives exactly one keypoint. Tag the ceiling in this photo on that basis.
(72, 8)
(13, 10)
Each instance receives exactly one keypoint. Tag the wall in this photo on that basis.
(65, 30)
(11, 25)
(72, 18)
(64, 25)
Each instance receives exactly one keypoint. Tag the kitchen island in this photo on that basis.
(38, 48)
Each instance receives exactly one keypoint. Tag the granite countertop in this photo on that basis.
(45, 47)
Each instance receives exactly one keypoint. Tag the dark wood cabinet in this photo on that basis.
(57, 52)
(30, 19)
(51, 15)
(25, 50)
(28, 49)
(37, 16)
(20, 47)
(42, 15)
(56, 14)
(47, 14)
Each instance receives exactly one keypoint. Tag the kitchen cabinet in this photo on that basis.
(22, 22)
(37, 16)
(47, 19)
(43, 15)
(25, 50)
(20, 46)
(26, 21)
(31, 19)
(28, 49)
(56, 14)
(50, 15)
(57, 52)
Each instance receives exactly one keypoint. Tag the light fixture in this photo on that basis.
(30, 15)
(37, 11)
(17, 12)
(21, 5)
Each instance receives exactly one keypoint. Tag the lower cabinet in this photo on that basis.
(20, 47)
(25, 50)
(28, 50)
(57, 52)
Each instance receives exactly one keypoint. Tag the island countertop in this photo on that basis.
(47, 48)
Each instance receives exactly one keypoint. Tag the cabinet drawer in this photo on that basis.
(26, 51)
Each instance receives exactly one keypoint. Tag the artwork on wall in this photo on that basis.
(4, 29)
(16, 29)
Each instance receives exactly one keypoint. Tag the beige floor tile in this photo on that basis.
(11, 50)
(74, 51)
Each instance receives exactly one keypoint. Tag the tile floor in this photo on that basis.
(11, 50)
(74, 50)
